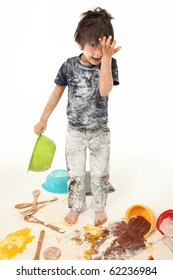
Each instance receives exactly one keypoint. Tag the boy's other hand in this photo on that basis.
(108, 47)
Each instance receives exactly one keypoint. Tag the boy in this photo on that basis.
(90, 78)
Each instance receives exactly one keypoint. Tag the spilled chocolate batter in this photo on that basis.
(124, 239)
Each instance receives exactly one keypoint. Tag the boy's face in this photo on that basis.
(92, 54)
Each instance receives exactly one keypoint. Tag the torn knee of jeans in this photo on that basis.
(105, 178)
(72, 182)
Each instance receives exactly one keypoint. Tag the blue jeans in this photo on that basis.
(98, 142)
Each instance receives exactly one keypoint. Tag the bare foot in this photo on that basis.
(100, 218)
(72, 217)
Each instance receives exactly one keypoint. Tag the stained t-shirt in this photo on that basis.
(86, 108)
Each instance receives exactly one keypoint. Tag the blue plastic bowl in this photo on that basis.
(56, 182)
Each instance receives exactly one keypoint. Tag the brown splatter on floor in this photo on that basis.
(77, 237)
(119, 240)
(52, 253)
(15, 243)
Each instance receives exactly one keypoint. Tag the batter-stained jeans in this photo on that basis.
(98, 142)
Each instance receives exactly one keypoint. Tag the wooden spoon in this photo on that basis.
(25, 205)
(39, 245)
(33, 219)
(35, 194)
(31, 212)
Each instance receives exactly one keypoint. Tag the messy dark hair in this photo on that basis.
(94, 25)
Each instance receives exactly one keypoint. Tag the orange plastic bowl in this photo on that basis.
(143, 211)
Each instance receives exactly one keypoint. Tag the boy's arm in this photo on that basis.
(106, 80)
(54, 98)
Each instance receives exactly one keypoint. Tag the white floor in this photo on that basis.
(136, 180)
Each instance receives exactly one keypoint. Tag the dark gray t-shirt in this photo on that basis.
(86, 108)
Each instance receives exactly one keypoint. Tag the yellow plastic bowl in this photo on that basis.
(143, 211)
(42, 155)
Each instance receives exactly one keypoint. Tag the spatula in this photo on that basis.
(39, 245)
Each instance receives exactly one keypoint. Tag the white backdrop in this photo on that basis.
(37, 36)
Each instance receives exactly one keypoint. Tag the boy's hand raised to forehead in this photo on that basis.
(108, 47)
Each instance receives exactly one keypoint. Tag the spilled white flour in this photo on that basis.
(166, 227)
